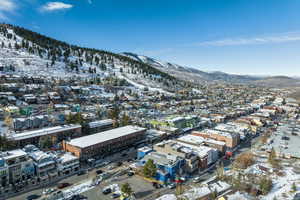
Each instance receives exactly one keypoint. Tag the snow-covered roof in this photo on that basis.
(201, 151)
(211, 131)
(105, 136)
(13, 154)
(67, 157)
(100, 123)
(198, 140)
(167, 197)
(43, 131)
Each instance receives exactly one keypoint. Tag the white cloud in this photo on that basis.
(278, 38)
(6, 7)
(55, 6)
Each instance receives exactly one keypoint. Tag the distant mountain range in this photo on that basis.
(34, 54)
(189, 73)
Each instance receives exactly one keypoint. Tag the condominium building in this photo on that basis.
(20, 167)
(104, 143)
(67, 163)
(45, 165)
(57, 134)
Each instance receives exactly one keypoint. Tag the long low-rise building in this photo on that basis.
(100, 125)
(104, 143)
(58, 133)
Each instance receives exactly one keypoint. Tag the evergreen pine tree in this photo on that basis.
(294, 187)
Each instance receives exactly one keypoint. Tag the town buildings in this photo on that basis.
(57, 134)
(45, 165)
(104, 143)
(100, 125)
(168, 166)
(231, 139)
(67, 163)
(173, 148)
(18, 168)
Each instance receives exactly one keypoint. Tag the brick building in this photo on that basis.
(104, 143)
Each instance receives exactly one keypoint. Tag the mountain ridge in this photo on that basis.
(216, 76)
(34, 53)
(191, 72)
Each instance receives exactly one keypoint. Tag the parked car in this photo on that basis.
(48, 191)
(285, 138)
(78, 197)
(106, 191)
(196, 179)
(63, 185)
(33, 196)
(115, 195)
(297, 196)
(130, 173)
(99, 171)
(171, 186)
(156, 185)
(183, 179)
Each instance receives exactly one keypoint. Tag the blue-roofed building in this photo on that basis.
(142, 152)
(168, 166)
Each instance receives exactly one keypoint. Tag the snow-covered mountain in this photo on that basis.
(30, 53)
(192, 74)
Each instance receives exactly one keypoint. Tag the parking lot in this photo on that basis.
(141, 188)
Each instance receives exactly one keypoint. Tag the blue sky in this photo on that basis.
(235, 36)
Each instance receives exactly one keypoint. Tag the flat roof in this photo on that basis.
(201, 151)
(213, 131)
(198, 140)
(162, 158)
(43, 131)
(13, 154)
(104, 136)
(66, 157)
(100, 123)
